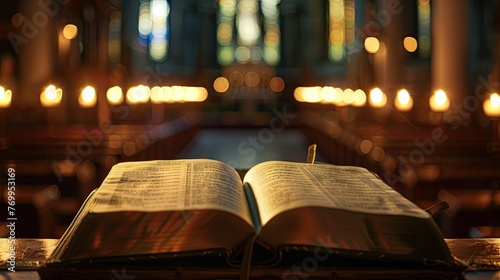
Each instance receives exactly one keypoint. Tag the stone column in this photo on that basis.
(390, 18)
(450, 46)
(35, 42)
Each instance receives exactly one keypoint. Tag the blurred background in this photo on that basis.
(405, 88)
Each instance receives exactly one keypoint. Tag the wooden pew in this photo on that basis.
(469, 208)
(76, 159)
(411, 163)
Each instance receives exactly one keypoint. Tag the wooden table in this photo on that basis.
(482, 256)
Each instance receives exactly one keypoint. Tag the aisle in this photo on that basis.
(244, 148)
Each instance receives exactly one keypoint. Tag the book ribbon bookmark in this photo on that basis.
(311, 153)
(437, 208)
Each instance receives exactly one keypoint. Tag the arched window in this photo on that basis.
(417, 30)
(154, 28)
(248, 31)
(341, 28)
(424, 28)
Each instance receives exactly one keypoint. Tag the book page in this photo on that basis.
(172, 185)
(280, 186)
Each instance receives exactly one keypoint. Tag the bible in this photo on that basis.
(196, 208)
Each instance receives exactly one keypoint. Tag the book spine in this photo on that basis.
(69, 233)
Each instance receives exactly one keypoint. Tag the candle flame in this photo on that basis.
(495, 100)
(87, 97)
(5, 97)
(88, 94)
(138, 94)
(51, 96)
(439, 102)
(359, 98)
(403, 102)
(491, 106)
(114, 95)
(403, 97)
(441, 97)
(50, 92)
(377, 98)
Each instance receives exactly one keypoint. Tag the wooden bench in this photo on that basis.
(469, 209)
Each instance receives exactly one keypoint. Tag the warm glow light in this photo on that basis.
(359, 98)
(138, 94)
(252, 79)
(195, 94)
(51, 96)
(221, 84)
(159, 10)
(491, 106)
(339, 97)
(365, 146)
(203, 94)
(17, 20)
(5, 97)
(377, 98)
(403, 101)
(372, 44)
(87, 97)
(403, 97)
(167, 94)
(277, 84)
(349, 96)
(308, 94)
(130, 96)
(177, 93)
(495, 100)
(378, 154)
(439, 102)
(297, 94)
(312, 94)
(156, 95)
(145, 23)
(114, 95)
(70, 31)
(247, 22)
(336, 96)
(410, 44)
(328, 94)
(190, 94)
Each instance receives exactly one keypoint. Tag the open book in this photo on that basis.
(200, 207)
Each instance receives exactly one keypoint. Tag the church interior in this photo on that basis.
(408, 89)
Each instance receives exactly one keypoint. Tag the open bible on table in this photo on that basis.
(201, 212)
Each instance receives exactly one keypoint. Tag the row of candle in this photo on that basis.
(51, 96)
(438, 102)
